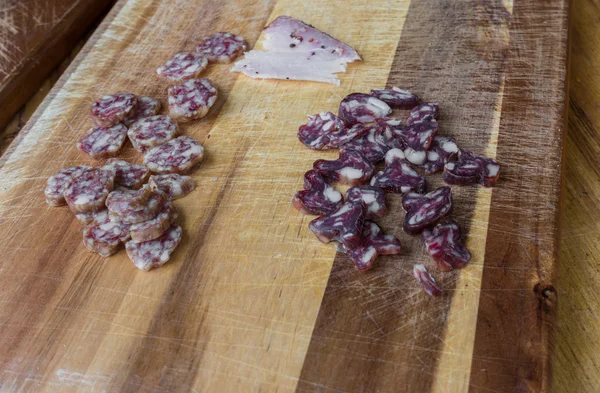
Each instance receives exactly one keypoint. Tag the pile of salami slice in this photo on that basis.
(365, 135)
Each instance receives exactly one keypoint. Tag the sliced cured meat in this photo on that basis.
(398, 175)
(373, 199)
(180, 155)
(297, 51)
(396, 97)
(472, 168)
(362, 108)
(444, 244)
(426, 280)
(182, 66)
(350, 168)
(152, 131)
(372, 145)
(146, 106)
(155, 227)
(127, 174)
(327, 131)
(172, 184)
(99, 217)
(425, 112)
(154, 253)
(344, 225)
(105, 238)
(424, 211)
(112, 109)
(57, 184)
(441, 149)
(387, 126)
(418, 136)
(221, 47)
(133, 211)
(375, 243)
(87, 191)
(318, 197)
(125, 201)
(101, 142)
(192, 99)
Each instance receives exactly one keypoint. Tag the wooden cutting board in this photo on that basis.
(251, 301)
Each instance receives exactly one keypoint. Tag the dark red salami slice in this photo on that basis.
(192, 99)
(471, 168)
(318, 197)
(221, 47)
(131, 209)
(441, 149)
(350, 168)
(373, 199)
(172, 184)
(362, 108)
(396, 97)
(182, 66)
(425, 112)
(101, 142)
(88, 191)
(146, 106)
(154, 253)
(371, 145)
(180, 155)
(424, 211)
(57, 184)
(344, 225)
(112, 109)
(152, 131)
(154, 227)
(375, 243)
(327, 131)
(444, 244)
(105, 238)
(398, 175)
(418, 136)
(127, 174)
(426, 280)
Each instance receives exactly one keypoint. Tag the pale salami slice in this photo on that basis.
(182, 66)
(88, 191)
(396, 97)
(155, 227)
(373, 199)
(192, 99)
(344, 225)
(105, 238)
(146, 106)
(99, 217)
(426, 280)
(444, 244)
(101, 142)
(472, 168)
(144, 212)
(154, 253)
(441, 150)
(174, 185)
(152, 131)
(57, 184)
(362, 108)
(327, 131)
(425, 112)
(124, 201)
(398, 175)
(112, 109)
(180, 155)
(424, 211)
(372, 145)
(221, 47)
(375, 243)
(318, 197)
(350, 168)
(127, 174)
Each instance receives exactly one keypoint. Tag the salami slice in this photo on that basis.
(172, 184)
(182, 66)
(426, 280)
(180, 155)
(362, 108)
(398, 175)
(127, 174)
(99, 217)
(101, 142)
(125, 201)
(372, 145)
(87, 191)
(425, 112)
(375, 243)
(472, 168)
(133, 211)
(57, 184)
(441, 150)
(154, 253)
(318, 197)
(146, 106)
(105, 238)
(424, 211)
(444, 244)
(152, 131)
(373, 199)
(350, 168)
(396, 97)
(112, 109)
(344, 225)
(221, 47)
(154, 227)
(417, 136)
(327, 131)
(192, 99)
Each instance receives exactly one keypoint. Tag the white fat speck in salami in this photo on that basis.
(127, 174)
(105, 238)
(192, 99)
(221, 47)
(398, 176)
(154, 227)
(88, 191)
(350, 168)
(101, 142)
(174, 185)
(146, 106)
(180, 155)
(154, 253)
(373, 199)
(152, 131)
(184, 65)
(56, 185)
(112, 109)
